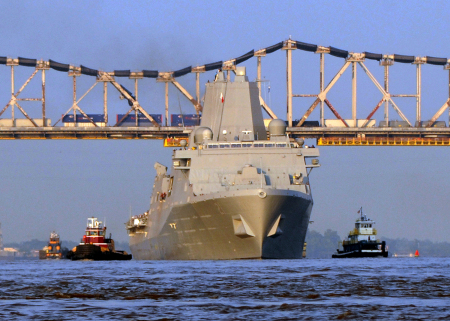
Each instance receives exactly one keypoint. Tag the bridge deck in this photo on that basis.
(372, 136)
(92, 132)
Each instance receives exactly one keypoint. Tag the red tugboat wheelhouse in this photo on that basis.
(95, 246)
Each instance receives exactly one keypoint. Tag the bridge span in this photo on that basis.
(137, 122)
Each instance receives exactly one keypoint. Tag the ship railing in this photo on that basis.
(349, 242)
(140, 216)
(363, 232)
(132, 223)
(370, 232)
(142, 222)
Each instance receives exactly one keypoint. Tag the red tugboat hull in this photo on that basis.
(94, 252)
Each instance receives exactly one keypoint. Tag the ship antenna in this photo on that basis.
(361, 213)
(181, 111)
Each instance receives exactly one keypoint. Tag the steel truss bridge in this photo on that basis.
(339, 132)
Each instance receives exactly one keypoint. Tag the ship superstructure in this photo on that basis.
(362, 240)
(233, 192)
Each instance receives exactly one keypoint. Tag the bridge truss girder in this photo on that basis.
(321, 97)
(14, 100)
(354, 59)
(289, 46)
(103, 77)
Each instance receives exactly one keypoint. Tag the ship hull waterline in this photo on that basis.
(274, 228)
(357, 254)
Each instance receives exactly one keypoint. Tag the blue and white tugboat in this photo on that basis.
(362, 241)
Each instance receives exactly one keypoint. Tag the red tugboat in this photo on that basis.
(95, 246)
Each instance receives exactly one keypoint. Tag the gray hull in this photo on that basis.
(207, 230)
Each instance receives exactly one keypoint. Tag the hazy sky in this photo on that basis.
(56, 185)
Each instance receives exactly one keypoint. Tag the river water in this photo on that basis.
(309, 289)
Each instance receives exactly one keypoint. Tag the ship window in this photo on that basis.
(246, 145)
(270, 145)
(87, 233)
(224, 145)
(281, 145)
(100, 233)
(258, 145)
(292, 145)
(213, 146)
(235, 145)
(93, 233)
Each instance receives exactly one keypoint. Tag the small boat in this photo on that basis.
(95, 246)
(362, 241)
(53, 250)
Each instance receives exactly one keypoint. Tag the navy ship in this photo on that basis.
(234, 191)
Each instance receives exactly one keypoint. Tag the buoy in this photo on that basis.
(417, 253)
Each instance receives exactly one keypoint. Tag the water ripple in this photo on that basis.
(402, 289)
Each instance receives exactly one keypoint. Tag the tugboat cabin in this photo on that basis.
(95, 234)
(363, 232)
